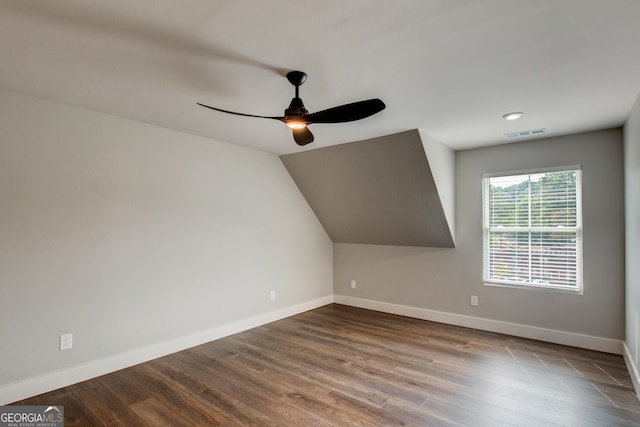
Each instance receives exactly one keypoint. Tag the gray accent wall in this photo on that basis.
(380, 191)
(443, 279)
(632, 219)
(130, 236)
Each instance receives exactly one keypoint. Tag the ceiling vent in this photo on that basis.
(525, 133)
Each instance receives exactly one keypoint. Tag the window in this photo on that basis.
(533, 229)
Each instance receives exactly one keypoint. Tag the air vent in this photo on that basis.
(524, 133)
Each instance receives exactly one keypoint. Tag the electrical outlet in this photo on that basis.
(273, 295)
(474, 300)
(66, 341)
(353, 284)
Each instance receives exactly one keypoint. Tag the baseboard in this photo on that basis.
(34, 386)
(633, 369)
(524, 331)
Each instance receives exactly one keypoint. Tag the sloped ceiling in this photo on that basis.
(448, 67)
(377, 191)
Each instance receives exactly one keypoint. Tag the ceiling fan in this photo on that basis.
(298, 118)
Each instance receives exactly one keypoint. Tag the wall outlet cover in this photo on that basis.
(66, 341)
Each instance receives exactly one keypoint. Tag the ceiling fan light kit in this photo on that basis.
(297, 118)
(294, 124)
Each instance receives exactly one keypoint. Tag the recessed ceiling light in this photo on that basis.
(513, 116)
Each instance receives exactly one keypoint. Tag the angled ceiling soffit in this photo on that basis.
(380, 191)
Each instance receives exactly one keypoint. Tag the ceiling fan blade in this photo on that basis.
(347, 113)
(241, 114)
(302, 136)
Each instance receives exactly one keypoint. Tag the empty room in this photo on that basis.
(242, 213)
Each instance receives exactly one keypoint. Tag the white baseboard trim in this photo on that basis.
(34, 386)
(524, 331)
(632, 368)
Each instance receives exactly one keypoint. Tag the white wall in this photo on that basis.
(138, 240)
(437, 283)
(632, 241)
(442, 162)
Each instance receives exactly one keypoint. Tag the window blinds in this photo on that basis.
(533, 229)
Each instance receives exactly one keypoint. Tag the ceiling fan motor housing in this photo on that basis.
(296, 109)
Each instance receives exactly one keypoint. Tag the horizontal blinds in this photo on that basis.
(533, 229)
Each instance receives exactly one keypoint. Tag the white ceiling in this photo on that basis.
(448, 67)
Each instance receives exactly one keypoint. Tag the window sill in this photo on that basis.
(532, 287)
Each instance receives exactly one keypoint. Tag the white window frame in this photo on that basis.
(578, 288)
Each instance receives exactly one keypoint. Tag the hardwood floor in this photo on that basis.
(343, 366)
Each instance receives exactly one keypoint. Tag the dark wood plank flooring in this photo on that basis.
(343, 366)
